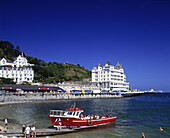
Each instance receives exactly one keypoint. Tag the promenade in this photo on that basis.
(17, 98)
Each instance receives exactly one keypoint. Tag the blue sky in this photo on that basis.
(89, 32)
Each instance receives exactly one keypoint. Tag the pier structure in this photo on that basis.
(39, 132)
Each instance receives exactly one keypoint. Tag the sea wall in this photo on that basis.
(4, 98)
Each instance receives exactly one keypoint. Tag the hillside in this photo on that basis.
(51, 72)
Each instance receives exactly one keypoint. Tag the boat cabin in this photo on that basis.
(69, 113)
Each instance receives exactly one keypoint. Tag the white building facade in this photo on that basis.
(19, 70)
(110, 77)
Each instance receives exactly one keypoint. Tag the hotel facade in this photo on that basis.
(109, 77)
(19, 70)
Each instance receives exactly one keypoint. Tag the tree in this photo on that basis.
(18, 48)
(6, 81)
(34, 61)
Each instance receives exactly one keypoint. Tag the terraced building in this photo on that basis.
(109, 77)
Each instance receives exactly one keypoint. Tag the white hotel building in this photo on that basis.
(19, 70)
(110, 77)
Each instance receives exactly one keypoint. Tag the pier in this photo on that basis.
(44, 132)
(40, 132)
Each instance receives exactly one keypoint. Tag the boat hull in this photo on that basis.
(73, 122)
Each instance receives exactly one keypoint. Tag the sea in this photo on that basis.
(145, 113)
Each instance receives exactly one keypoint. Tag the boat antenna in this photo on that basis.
(74, 105)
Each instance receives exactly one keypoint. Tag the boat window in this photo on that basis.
(51, 113)
(55, 112)
(63, 113)
(77, 114)
(69, 113)
(59, 113)
(74, 113)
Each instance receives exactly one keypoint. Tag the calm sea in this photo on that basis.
(135, 115)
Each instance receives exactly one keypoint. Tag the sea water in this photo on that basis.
(146, 113)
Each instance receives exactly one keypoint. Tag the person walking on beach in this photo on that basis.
(143, 136)
(6, 123)
(33, 131)
(23, 130)
(27, 130)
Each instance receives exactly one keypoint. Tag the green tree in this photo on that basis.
(34, 61)
(4, 81)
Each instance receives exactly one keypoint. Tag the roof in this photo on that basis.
(9, 61)
(28, 87)
(108, 62)
(118, 65)
(74, 109)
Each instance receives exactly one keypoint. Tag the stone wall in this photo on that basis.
(43, 97)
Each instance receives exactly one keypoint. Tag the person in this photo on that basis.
(111, 113)
(81, 116)
(161, 129)
(23, 130)
(143, 136)
(33, 131)
(1, 130)
(6, 123)
(58, 122)
(27, 131)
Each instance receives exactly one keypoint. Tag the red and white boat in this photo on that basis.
(73, 118)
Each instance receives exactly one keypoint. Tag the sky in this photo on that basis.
(89, 32)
